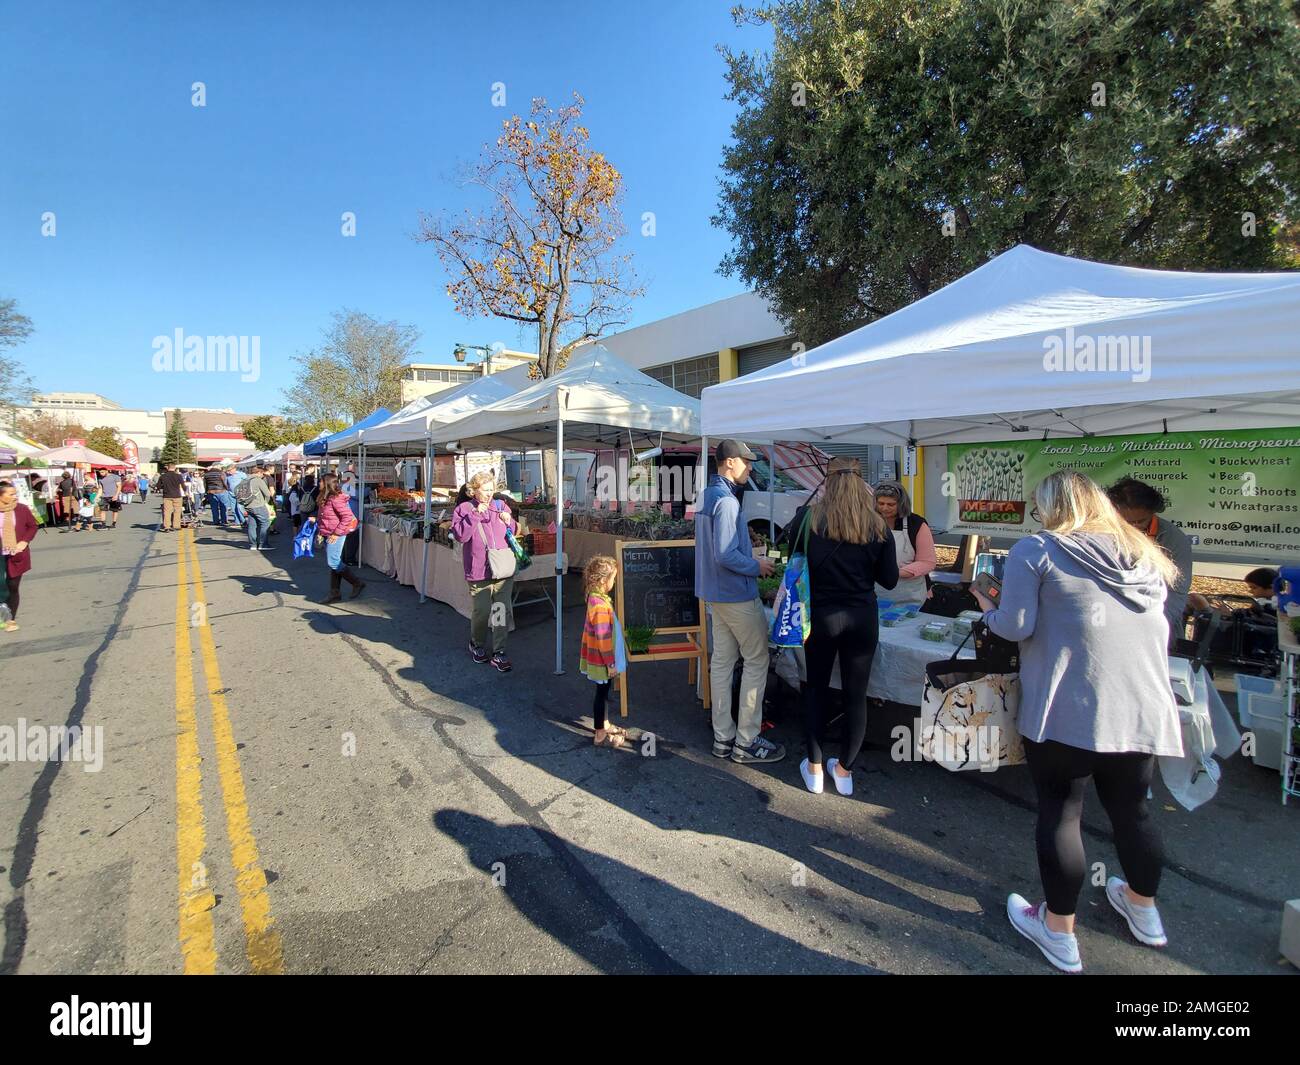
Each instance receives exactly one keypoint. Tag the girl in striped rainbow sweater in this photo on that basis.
(603, 654)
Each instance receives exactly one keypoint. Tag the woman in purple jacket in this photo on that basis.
(334, 520)
(480, 524)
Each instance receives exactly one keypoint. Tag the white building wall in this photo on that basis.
(735, 322)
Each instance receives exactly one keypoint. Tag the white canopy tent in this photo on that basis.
(596, 402)
(410, 427)
(1044, 344)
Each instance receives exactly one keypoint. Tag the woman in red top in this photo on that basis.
(334, 520)
(17, 529)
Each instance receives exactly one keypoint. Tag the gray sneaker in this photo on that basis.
(722, 749)
(1143, 921)
(1060, 948)
(764, 751)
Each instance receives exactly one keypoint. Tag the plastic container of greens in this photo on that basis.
(935, 631)
(891, 618)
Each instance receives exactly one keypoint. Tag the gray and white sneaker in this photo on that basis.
(723, 748)
(1143, 921)
(760, 751)
(1060, 948)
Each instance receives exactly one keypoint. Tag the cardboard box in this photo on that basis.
(1290, 945)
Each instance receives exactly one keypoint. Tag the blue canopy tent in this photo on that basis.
(346, 440)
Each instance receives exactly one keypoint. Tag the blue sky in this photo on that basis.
(225, 219)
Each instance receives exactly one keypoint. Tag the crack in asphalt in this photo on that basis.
(38, 800)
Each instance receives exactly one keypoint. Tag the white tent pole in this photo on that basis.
(771, 494)
(428, 509)
(702, 470)
(361, 496)
(559, 539)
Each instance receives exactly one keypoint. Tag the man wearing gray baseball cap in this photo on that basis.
(726, 578)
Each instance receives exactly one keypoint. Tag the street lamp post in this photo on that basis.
(460, 351)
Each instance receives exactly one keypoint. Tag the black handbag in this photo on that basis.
(1003, 656)
(948, 600)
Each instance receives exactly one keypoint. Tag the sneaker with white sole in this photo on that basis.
(1060, 948)
(1143, 921)
(844, 785)
(814, 782)
(760, 751)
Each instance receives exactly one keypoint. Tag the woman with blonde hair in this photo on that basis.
(850, 551)
(1085, 600)
(480, 524)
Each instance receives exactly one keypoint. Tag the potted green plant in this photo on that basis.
(638, 638)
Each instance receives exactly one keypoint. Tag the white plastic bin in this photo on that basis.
(1261, 708)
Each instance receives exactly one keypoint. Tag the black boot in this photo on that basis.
(335, 578)
(356, 582)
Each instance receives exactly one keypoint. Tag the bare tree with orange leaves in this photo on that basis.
(544, 253)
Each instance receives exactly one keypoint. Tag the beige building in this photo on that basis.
(215, 433)
(426, 378)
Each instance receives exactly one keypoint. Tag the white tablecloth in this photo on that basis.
(898, 670)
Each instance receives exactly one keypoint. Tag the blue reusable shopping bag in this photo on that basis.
(304, 541)
(792, 611)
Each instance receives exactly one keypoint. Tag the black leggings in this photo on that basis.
(1061, 777)
(852, 634)
(598, 704)
(12, 601)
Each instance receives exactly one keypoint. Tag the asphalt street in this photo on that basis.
(289, 787)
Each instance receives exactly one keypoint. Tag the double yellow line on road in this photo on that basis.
(261, 940)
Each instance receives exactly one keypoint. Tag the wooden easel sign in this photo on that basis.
(656, 590)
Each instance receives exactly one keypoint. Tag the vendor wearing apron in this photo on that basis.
(914, 543)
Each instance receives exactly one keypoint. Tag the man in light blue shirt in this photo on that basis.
(233, 479)
(726, 578)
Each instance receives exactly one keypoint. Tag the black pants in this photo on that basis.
(598, 704)
(352, 548)
(1061, 777)
(12, 601)
(852, 634)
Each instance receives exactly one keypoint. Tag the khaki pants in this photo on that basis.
(739, 631)
(171, 513)
(490, 609)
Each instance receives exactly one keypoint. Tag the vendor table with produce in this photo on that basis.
(393, 546)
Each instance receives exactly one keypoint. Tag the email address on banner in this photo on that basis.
(1276, 528)
(1180, 1031)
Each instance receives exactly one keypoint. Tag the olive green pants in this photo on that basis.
(490, 609)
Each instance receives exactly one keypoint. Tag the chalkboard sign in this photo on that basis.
(658, 585)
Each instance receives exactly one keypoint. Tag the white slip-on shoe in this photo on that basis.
(1143, 921)
(812, 781)
(844, 785)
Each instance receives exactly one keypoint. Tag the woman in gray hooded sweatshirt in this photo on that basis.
(1085, 600)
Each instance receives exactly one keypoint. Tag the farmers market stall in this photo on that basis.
(1054, 347)
(394, 546)
(597, 402)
